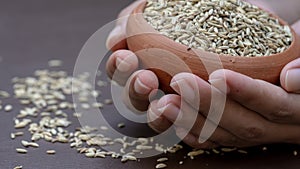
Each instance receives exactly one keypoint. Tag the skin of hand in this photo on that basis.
(255, 113)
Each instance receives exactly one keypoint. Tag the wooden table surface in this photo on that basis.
(35, 31)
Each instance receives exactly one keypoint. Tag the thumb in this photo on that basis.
(117, 38)
(290, 77)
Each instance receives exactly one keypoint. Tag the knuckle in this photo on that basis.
(232, 141)
(252, 132)
(280, 115)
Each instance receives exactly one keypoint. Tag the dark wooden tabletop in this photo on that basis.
(35, 31)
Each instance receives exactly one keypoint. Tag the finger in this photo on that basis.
(196, 92)
(289, 133)
(192, 89)
(192, 140)
(120, 65)
(236, 118)
(159, 123)
(262, 97)
(184, 116)
(155, 119)
(138, 89)
(290, 77)
(117, 38)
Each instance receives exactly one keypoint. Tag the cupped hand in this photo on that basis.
(255, 113)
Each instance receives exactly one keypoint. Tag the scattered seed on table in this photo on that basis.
(25, 102)
(295, 153)
(29, 144)
(24, 143)
(144, 147)
(20, 133)
(85, 106)
(216, 151)
(8, 108)
(103, 128)
(264, 148)
(163, 159)
(98, 105)
(22, 124)
(121, 125)
(242, 151)
(194, 153)
(4, 94)
(90, 154)
(108, 101)
(77, 115)
(12, 135)
(55, 63)
(18, 167)
(160, 165)
(51, 152)
(129, 157)
(21, 150)
(227, 150)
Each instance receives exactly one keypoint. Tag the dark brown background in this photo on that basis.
(34, 31)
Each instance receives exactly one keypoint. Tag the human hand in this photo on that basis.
(256, 112)
(122, 65)
(247, 128)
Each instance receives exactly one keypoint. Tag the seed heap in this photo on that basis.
(44, 96)
(46, 110)
(230, 27)
(45, 114)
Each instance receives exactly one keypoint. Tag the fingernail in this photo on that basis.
(170, 111)
(122, 65)
(182, 87)
(111, 36)
(155, 122)
(181, 132)
(220, 84)
(154, 116)
(292, 80)
(140, 87)
(202, 140)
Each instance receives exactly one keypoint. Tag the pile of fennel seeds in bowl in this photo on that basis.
(230, 27)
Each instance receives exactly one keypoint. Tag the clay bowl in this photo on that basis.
(166, 57)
